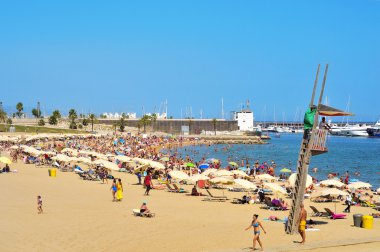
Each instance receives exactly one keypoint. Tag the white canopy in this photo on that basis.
(179, 175)
(332, 182)
(245, 184)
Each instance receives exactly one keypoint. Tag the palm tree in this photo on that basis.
(153, 118)
(3, 115)
(57, 114)
(72, 116)
(92, 118)
(190, 123)
(145, 120)
(20, 108)
(36, 113)
(214, 121)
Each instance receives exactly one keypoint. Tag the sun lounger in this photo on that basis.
(367, 204)
(179, 190)
(317, 213)
(333, 215)
(136, 212)
(217, 197)
(170, 189)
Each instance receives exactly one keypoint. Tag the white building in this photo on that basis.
(245, 119)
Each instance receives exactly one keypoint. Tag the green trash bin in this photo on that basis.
(49, 170)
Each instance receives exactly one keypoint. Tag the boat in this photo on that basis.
(354, 130)
(374, 131)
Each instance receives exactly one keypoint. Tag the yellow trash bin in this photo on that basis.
(367, 221)
(53, 172)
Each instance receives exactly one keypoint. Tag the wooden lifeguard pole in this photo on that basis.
(315, 144)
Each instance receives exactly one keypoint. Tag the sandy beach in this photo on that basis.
(80, 216)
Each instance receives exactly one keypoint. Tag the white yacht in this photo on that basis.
(354, 130)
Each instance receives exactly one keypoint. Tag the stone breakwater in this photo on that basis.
(227, 139)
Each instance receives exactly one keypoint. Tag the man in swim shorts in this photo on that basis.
(302, 223)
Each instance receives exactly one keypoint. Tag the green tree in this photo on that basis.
(92, 118)
(214, 122)
(84, 122)
(9, 121)
(20, 108)
(153, 118)
(41, 122)
(103, 116)
(122, 123)
(53, 120)
(190, 124)
(57, 114)
(3, 115)
(36, 113)
(72, 117)
(144, 121)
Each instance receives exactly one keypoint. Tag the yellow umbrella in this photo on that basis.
(233, 163)
(5, 160)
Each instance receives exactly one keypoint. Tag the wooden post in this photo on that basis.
(315, 86)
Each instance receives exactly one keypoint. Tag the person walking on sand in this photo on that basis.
(148, 183)
(256, 231)
(114, 189)
(39, 205)
(119, 192)
(302, 223)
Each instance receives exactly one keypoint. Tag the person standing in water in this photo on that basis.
(302, 223)
(256, 231)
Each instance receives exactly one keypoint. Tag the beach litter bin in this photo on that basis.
(53, 172)
(358, 220)
(49, 171)
(367, 221)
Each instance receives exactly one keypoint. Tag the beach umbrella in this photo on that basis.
(189, 165)
(333, 192)
(198, 177)
(239, 173)
(292, 180)
(50, 153)
(332, 182)
(62, 158)
(124, 158)
(164, 159)
(140, 168)
(204, 166)
(221, 173)
(265, 177)
(359, 184)
(84, 160)
(5, 160)
(233, 164)
(107, 164)
(156, 165)
(285, 170)
(212, 160)
(245, 184)
(14, 147)
(179, 175)
(275, 187)
(221, 180)
(243, 168)
(209, 170)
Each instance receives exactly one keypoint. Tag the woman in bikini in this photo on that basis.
(256, 231)
(114, 189)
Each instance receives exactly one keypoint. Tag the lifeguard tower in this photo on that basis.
(313, 145)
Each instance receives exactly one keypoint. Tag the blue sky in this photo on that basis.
(124, 55)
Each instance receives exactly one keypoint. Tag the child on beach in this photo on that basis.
(39, 205)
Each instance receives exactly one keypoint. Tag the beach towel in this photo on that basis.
(312, 229)
(267, 219)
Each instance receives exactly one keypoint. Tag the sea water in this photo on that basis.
(352, 154)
